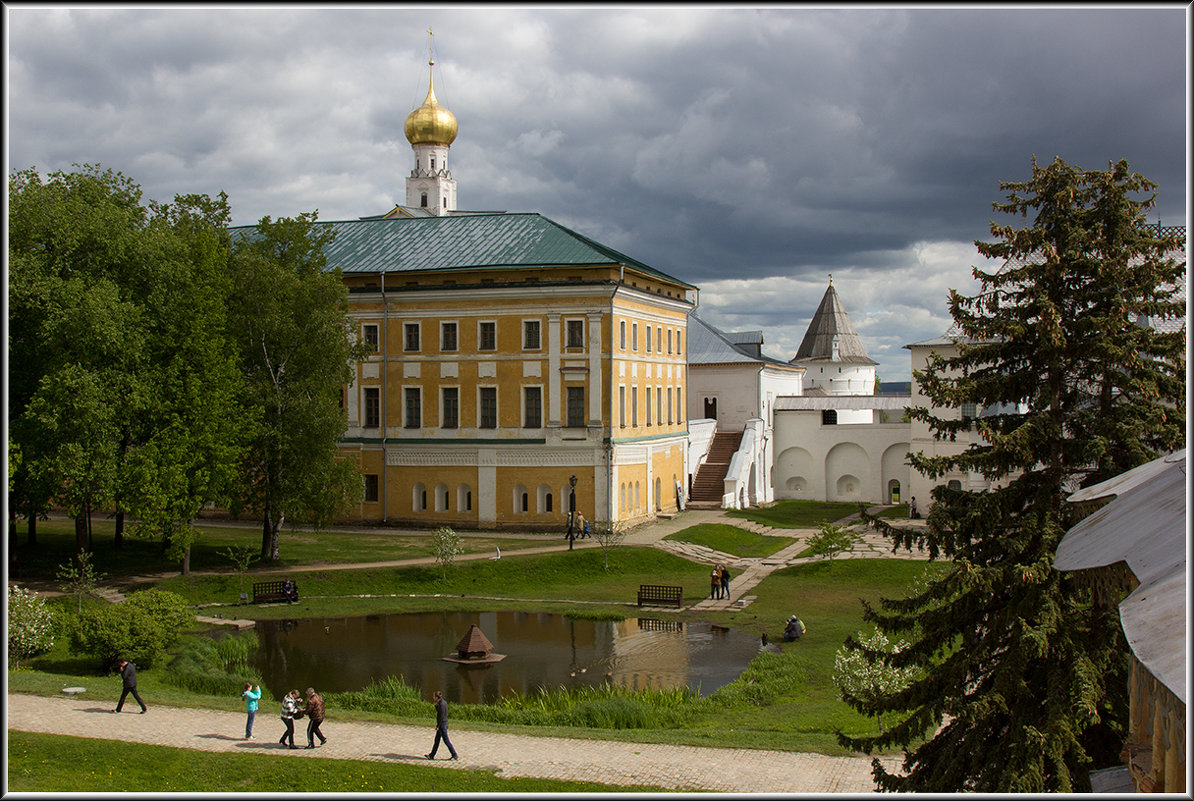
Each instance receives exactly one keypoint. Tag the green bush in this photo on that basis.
(391, 695)
(141, 629)
(31, 625)
(174, 611)
(205, 666)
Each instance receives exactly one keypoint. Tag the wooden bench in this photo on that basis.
(269, 591)
(660, 595)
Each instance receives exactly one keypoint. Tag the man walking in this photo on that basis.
(128, 680)
(314, 713)
(441, 725)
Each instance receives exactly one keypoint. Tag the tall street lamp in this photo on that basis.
(571, 511)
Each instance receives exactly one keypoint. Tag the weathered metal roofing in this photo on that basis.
(709, 345)
(1125, 481)
(809, 403)
(831, 324)
(1145, 527)
(454, 242)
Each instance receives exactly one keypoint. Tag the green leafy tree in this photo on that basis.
(866, 673)
(30, 625)
(183, 448)
(296, 345)
(76, 338)
(832, 539)
(241, 556)
(79, 578)
(1027, 664)
(125, 388)
(445, 545)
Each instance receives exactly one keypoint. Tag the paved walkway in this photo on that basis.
(674, 767)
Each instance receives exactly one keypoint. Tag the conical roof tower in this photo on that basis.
(831, 337)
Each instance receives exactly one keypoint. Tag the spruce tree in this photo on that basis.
(1022, 674)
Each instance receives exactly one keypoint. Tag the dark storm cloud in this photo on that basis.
(748, 151)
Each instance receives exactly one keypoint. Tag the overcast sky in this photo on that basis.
(750, 152)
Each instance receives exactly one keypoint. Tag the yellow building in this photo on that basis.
(510, 354)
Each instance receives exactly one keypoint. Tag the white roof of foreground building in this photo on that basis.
(1145, 527)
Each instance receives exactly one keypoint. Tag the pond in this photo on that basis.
(542, 650)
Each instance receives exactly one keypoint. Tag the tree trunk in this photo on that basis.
(186, 561)
(265, 533)
(118, 541)
(80, 533)
(32, 527)
(274, 554)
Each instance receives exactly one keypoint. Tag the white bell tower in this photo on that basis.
(431, 129)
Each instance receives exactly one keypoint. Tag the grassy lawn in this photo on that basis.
(732, 540)
(785, 701)
(56, 542)
(564, 576)
(796, 514)
(44, 763)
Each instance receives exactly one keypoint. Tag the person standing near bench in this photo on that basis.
(314, 713)
(128, 681)
(441, 725)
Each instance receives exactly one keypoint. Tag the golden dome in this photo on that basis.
(430, 123)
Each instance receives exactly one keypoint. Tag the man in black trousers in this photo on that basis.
(441, 725)
(128, 679)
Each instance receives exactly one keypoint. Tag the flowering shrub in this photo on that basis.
(858, 674)
(445, 544)
(30, 625)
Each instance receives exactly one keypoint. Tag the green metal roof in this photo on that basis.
(454, 242)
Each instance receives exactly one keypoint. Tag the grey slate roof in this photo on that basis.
(709, 345)
(452, 242)
(1145, 526)
(810, 402)
(831, 321)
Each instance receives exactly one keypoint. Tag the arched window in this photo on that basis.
(464, 498)
(418, 498)
(423, 201)
(441, 497)
(829, 417)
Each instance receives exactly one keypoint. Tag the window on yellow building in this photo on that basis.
(451, 408)
(410, 334)
(576, 333)
(488, 406)
(622, 335)
(372, 407)
(371, 493)
(414, 408)
(530, 338)
(371, 338)
(532, 407)
(487, 336)
(576, 407)
(447, 336)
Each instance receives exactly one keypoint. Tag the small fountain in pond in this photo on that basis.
(474, 648)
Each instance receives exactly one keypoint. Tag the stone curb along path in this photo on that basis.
(674, 767)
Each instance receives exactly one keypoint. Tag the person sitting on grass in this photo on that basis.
(794, 629)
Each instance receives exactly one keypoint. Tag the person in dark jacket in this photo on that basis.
(441, 725)
(314, 712)
(128, 680)
(724, 578)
